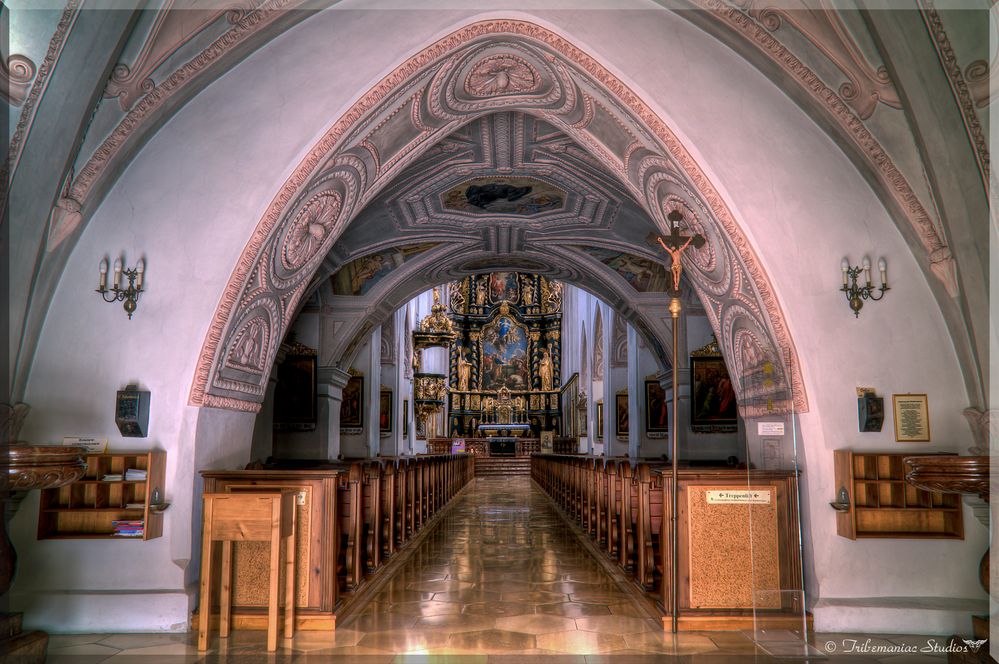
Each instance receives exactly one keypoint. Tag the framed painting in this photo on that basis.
(712, 405)
(621, 415)
(405, 417)
(912, 418)
(385, 411)
(352, 406)
(505, 360)
(295, 394)
(600, 420)
(656, 413)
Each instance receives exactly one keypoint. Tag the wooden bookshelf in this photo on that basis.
(883, 504)
(88, 508)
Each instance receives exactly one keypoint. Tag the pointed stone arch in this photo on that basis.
(444, 86)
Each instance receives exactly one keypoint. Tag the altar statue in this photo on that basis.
(464, 373)
(545, 370)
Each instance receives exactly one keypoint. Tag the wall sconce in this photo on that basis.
(856, 294)
(129, 294)
(842, 502)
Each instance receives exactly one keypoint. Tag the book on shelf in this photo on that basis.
(134, 506)
(134, 474)
(112, 477)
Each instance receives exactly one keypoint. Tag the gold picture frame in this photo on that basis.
(912, 418)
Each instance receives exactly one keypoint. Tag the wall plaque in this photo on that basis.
(912, 418)
(741, 497)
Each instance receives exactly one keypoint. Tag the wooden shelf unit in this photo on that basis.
(87, 508)
(883, 504)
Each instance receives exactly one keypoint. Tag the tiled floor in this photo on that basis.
(500, 575)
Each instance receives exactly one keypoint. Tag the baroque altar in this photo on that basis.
(505, 363)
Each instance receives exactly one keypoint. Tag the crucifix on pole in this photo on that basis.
(675, 244)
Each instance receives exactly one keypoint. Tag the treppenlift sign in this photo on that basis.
(743, 497)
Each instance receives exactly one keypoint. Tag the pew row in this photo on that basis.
(352, 518)
(739, 555)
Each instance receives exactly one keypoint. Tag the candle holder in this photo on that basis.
(855, 293)
(128, 294)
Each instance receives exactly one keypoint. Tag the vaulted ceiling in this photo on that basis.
(425, 228)
(903, 93)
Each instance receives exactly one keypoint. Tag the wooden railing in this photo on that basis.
(355, 516)
(623, 506)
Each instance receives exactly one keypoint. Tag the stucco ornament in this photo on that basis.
(434, 94)
(311, 228)
(501, 74)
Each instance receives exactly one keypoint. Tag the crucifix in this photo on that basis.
(675, 244)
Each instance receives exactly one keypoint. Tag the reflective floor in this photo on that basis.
(500, 575)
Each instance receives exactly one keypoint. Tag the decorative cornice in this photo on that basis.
(27, 116)
(16, 74)
(852, 125)
(959, 88)
(158, 95)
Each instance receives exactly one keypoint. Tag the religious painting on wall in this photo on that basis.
(600, 420)
(385, 411)
(360, 275)
(405, 417)
(713, 406)
(295, 394)
(505, 362)
(656, 414)
(352, 406)
(621, 414)
(643, 274)
(503, 286)
(521, 196)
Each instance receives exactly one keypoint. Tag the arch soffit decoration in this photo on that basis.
(480, 68)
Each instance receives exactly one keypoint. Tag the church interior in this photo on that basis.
(578, 328)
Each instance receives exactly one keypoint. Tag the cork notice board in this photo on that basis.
(728, 566)
(251, 560)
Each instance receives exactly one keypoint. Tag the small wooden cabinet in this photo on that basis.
(883, 504)
(94, 507)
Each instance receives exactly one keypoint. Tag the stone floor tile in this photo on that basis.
(581, 643)
(536, 624)
(91, 649)
(425, 608)
(126, 641)
(492, 640)
(64, 640)
(403, 641)
(533, 597)
(574, 609)
(452, 624)
(381, 622)
(499, 609)
(617, 624)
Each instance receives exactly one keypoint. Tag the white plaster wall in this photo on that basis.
(191, 198)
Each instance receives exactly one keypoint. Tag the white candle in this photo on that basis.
(867, 269)
(103, 267)
(883, 268)
(117, 273)
(140, 268)
(846, 266)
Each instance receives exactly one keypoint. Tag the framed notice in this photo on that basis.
(912, 418)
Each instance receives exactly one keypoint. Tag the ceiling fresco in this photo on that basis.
(642, 274)
(360, 275)
(504, 195)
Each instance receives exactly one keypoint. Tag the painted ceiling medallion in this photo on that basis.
(310, 228)
(519, 196)
(502, 75)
